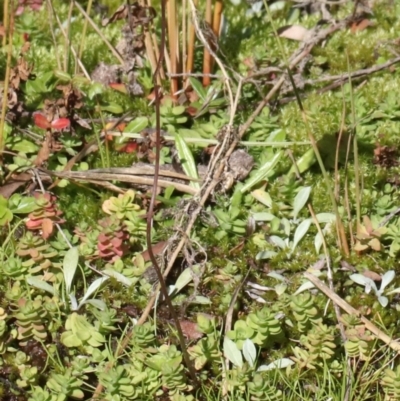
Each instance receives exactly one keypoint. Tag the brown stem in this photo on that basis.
(216, 25)
(207, 59)
(9, 36)
(173, 44)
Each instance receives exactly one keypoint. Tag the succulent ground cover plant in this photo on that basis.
(261, 264)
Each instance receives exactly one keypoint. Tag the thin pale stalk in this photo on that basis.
(207, 59)
(338, 144)
(214, 141)
(84, 30)
(173, 44)
(357, 165)
(346, 185)
(73, 51)
(68, 37)
(167, 60)
(53, 35)
(157, 53)
(106, 163)
(6, 20)
(154, 42)
(150, 51)
(9, 35)
(98, 31)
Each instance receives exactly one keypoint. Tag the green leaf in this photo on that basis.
(318, 241)
(186, 159)
(113, 108)
(92, 288)
(262, 172)
(325, 217)
(200, 299)
(62, 76)
(263, 197)
(249, 352)
(305, 162)
(23, 146)
(278, 364)
(280, 289)
(137, 125)
(300, 232)
(304, 287)
(300, 200)
(178, 110)
(232, 352)
(70, 265)
(95, 88)
(184, 279)
(22, 204)
(41, 285)
(266, 255)
(119, 277)
(5, 213)
(70, 340)
(198, 88)
(263, 216)
(97, 303)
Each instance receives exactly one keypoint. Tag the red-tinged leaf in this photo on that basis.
(33, 224)
(116, 242)
(121, 127)
(360, 25)
(151, 96)
(131, 147)
(102, 237)
(192, 111)
(47, 228)
(60, 123)
(119, 87)
(40, 121)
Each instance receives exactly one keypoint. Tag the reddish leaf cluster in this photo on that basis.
(112, 241)
(34, 5)
(45, 216)
(42, 122)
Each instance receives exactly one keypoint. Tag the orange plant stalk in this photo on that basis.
(216, 25)
(190, 45)
(207, 56)
(173, 44)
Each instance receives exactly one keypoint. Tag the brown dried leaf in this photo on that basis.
(372, 275)
(360, 25)
(120, 13)
(44, 152)
(12, 185)
(375, 244)
(158, 249)
(190, 330)
(294, 32)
